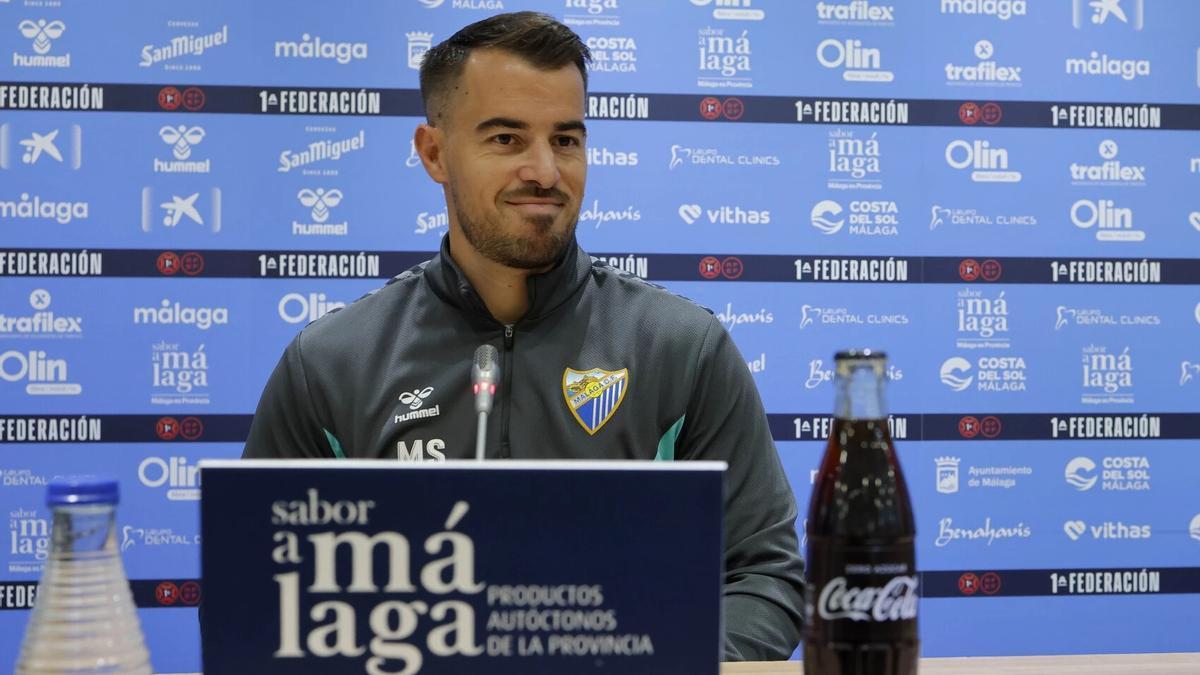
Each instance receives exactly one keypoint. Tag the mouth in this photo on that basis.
(535, 207)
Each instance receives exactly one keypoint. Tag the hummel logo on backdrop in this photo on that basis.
(320, 201)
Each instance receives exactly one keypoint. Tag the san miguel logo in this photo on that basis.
(593, 396)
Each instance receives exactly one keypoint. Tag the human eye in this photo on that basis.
(504, 139)
(568, 142)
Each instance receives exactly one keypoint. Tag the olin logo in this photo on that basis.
(1112, 223)
(987, 164)
(859, 63)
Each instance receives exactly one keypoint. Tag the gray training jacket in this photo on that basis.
(389, 377)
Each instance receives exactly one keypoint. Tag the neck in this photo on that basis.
(504, 290)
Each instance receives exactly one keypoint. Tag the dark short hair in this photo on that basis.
(538, 38)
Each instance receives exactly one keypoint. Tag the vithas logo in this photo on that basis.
(987, 164)
(723, 215)
(1077, 529)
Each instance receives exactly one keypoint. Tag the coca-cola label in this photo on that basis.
(858, 594)
(895, 600)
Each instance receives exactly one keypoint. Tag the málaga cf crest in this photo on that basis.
(594, 395)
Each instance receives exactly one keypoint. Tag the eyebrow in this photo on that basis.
(509, 123)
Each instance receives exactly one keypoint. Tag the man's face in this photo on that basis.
(512, 144)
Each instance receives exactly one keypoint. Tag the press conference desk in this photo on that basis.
(1092, 664)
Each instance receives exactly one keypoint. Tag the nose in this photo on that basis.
(539, 166)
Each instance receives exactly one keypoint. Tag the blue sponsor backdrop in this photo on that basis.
(1001, 193)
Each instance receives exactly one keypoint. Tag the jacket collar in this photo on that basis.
(547, 291)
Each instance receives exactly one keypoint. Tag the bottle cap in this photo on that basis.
(860, 355)
(79, 490)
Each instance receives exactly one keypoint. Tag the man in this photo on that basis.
(389, 375)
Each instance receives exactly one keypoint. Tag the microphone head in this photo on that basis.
(486, 366)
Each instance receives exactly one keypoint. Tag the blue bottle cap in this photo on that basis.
(77, 490)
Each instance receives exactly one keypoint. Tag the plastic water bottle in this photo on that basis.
(83, 619)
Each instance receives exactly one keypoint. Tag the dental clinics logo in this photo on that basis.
(857, 62)
(814, 316)
(985, 73)
(986, 164)
(169, 313)
(1110, 172)
(321, 152)
(866, 218)
(612, 54)
(733, 10)
(982, 320)
(1189, 371)
(1000, 9)
(33, 207)
(42, 322)
(684, 156)
(181, 479)
(854, 161)
(1120, 474)
(320, 203)
(1099, 63)
(182, 139)
(1112, 223)
(182, 53)
(28, 541)
(179, 376)
(941, 215)
(992, 374)
(593, 13)
(1092, 317)
(41, 34)
(311, 47)
(296, 308)
(148, 537)
(1107, 375)
(722, 215)
(42, 374)
(724, 59)
(855, 13)
(818, 374)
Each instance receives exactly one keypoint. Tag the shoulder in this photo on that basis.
(364, 322)
(653, 306)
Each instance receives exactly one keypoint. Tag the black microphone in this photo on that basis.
(485, 373)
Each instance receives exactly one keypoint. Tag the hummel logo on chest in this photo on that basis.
(416, 398)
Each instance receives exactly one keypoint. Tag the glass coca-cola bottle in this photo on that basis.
(861, 577)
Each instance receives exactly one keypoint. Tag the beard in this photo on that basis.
(538, 249)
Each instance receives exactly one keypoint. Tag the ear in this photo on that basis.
(430, 144)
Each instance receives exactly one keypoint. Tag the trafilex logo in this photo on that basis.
(855, 13)
(986, 163)
(985, 73)
(311, 47)
(43, 323)
(1110, 171)
(41, 33)
(187, 48)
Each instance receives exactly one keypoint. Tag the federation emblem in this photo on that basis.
(594, 395)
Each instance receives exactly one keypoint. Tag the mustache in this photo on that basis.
(535, 192)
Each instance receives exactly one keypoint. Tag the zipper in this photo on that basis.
(506, 366)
